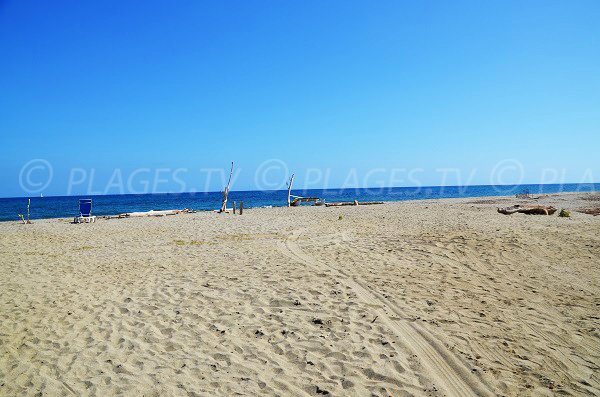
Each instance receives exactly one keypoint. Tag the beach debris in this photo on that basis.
(295, 201)
(290, 190)
(355, 202)
(564, 213)
(340, 217)
(528, 209)
(524, 194)
(322, 391)
(226, 192)
(317, 321)
(590, 211)
(23, 220)
(298, 200)
(151, 213)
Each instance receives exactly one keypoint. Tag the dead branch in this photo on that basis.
(528, 209)
(226, 192)
(290, 190)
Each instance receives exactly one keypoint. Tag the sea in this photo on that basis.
(68, 206)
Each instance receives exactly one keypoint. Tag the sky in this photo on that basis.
(125, 97)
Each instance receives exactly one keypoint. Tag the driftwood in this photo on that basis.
(152, 213)
(290, 190)
(25, 221)
(297, 200)
(355, 202)
(226, 192)
(528, 209)
(590, 211)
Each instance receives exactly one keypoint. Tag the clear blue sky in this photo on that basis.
(319, 84)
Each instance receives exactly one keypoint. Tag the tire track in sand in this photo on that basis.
(446, 371)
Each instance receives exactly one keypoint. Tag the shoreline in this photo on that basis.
(504, 200)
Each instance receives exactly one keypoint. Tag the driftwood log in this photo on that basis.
(590, 211)
(151, 213)
(528, 209)
(297, 200)
(345, 203)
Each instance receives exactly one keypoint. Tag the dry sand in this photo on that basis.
(442, 297)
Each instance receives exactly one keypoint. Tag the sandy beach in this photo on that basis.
(421, 298)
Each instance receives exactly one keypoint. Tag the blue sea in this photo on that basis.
(67, 206)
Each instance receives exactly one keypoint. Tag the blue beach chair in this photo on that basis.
(85, 212)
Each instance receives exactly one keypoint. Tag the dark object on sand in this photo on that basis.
(564, 213)
(528, 209)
